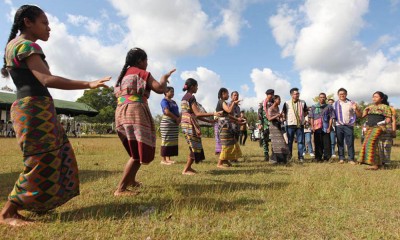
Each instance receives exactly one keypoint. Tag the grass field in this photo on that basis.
(252, 200)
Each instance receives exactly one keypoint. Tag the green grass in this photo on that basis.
(252, 200)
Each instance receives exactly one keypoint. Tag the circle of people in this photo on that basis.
(50, 175)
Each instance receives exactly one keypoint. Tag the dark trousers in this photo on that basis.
(299, 132)
(322, 142)
(265, 142)
(345, 134)
(243, 137)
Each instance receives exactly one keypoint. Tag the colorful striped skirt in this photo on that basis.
(369, 153)
(50, 177)
(218, 146)
(193, 138)
(169, 137)
(135, 128)
(230, 147)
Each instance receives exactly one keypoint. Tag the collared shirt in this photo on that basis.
(345, 114)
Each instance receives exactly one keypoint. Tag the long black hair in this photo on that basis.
(383, 96)
(133, 57)
(30, 12)
(221, 91)
(189, 83)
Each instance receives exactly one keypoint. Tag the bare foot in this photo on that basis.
(126, 192)
(222, 166)
(188, 173)
(15, 221)
(135, 184)
(170, 161)
(227, 163)
(165, 163)
(373, 168)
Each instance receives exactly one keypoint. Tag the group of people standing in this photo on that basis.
(50, 177)
(330, 122)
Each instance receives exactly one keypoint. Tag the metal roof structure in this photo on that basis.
(62, 107)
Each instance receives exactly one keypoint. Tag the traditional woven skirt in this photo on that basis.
(169, 137)
(193, 139)
(218, 146)
(385, 145)
(135, 128)
(230, 147)
(50, 177)
(279, 146)
(369, 153)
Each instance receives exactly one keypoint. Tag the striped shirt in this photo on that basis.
(345, 114)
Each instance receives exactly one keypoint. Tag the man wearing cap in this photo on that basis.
(265, 133)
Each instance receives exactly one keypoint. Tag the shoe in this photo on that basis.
(352, 162)
(272, 162)
(301, 160)
(333, 155)
(304, 154)
(312, 155)
(341, 161)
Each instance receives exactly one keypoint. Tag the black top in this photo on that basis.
(221, 108)
(27, 84)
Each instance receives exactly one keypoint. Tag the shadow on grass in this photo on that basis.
(235, 171)
(93, 175)
(7, 180)
(153, 207)
(223, 187)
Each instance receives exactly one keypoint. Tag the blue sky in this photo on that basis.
(244, 45)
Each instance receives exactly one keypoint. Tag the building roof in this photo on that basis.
(62, 107)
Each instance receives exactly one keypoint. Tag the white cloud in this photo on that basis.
(232, 21)
(394, 50)
(264, 79)
(76, 20)
(209, 85)
(245, 88)
(328, 54)
(93, 26)
(180, 28)
(284, 29)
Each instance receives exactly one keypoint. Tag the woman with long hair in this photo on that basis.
(190, 126)
(50, 177)
(133, 120)
(279, 146)
(378, 116)
(227, 131)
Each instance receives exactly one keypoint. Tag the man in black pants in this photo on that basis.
(321, 118)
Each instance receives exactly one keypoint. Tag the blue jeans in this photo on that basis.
(345, 134)
(333, 141)
(291, 131)
(307, 136)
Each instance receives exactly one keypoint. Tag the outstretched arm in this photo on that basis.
(160, 87)
(43, 74)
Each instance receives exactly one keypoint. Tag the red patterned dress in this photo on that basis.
(134, 123)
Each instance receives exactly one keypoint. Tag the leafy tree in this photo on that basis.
(316, 98)
(101, 99)
(251, 116)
